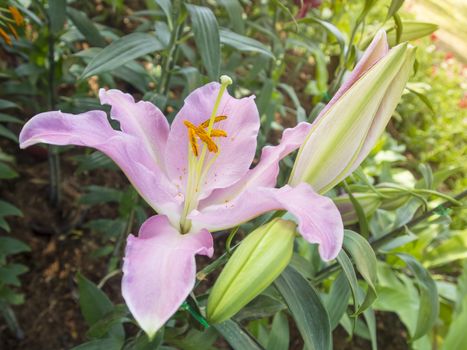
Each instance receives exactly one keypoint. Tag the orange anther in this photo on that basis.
(218, 133)
(193, 142)
(219, 118)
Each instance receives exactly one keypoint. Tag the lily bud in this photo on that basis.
(348, 127)
(254, 265)
(411, 30)
(386, 198)
(368, 201)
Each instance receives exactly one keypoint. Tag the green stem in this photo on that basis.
(117, 252)
(171, 57)
(53, 157)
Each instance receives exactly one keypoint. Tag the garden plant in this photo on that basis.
(264, 175)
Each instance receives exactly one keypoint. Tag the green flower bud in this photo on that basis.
(368, 201)
(254, 265)
(411, 30)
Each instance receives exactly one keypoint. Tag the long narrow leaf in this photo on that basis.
(243, 43)
(365, 261)
(307, 309)
(122, 51)
(86, 27)
(206, 33)
(429, 307)
(236, 336)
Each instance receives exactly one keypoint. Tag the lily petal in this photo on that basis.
(266, 171)
(142, 120)
(319, 220)
(236, 151)
(92, 129)
(159, 270)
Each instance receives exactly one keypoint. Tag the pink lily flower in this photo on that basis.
(196, 175)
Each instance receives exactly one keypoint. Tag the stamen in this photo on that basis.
(193, 142)
(218, 133)
(203, 136)
(219, 118)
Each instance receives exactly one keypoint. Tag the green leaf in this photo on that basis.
(7, 209)
(9, 274)
(365, 261)
(370, 320)
(424, 99)
(457, 335)
(235, 11)
(236, 336)
(207, 39)
(307, 309)
(95, 305)
(9, 119)
(93, 302)
(192, 78)
(166, 6)
(117, 315)
(362, 220)
(122, 51)
(279, 337)
(143, 342)
(99, 344)
(194, 340)
(329, 27)
(8, 134)
(265, 95)
(351, 276)
(6, 172)
(9, 316)
(9, 246)
(338, 299)
(449, 250)
(260, 307)
(429, 307)
(300, 111)
(86, 27)
(56, 14)
(5, 104)
(100, 195)
(93, 161)
(243, 43)
(10, 296)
